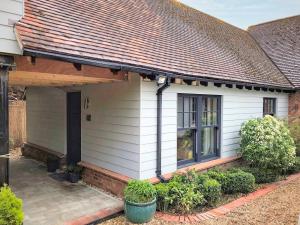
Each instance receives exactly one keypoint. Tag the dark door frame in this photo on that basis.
(71, 128)
(6, 63)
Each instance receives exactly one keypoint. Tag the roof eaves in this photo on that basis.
(139, 69)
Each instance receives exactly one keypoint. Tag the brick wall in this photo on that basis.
(103, 181)
(294, 105)
(41, 154)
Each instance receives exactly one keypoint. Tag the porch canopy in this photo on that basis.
(43, 72)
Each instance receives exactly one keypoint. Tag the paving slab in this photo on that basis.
(47, 201)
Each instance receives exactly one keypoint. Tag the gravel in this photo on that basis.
(282, 206)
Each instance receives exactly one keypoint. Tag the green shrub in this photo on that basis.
(220, 177)
(294, 127)
(296, 167)
(139, 191)
(211, 190)
(10, 208)
(239, 182)
(262, 176)
(163, 198)
(184, 197)
(267, 144)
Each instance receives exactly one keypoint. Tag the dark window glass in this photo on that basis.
(269, 107)
(198, 125)
(186, 123)
(185, 144)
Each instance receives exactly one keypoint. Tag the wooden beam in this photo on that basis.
(50, 66)
(19, 78)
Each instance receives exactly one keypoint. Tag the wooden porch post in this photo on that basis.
(5, 64)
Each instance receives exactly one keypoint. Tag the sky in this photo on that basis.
(244, 13)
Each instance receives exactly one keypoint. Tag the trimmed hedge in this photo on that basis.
(234, 181)
(239, 182)
(211, 190)
(262, 176)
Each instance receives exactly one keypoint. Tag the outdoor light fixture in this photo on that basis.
(161, 79)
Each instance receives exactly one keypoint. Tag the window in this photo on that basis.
(198, 128)
(269, 106)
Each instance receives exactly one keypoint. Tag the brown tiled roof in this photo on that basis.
(280, 39)
(160, 34)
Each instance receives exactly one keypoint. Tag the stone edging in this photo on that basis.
(224, 209)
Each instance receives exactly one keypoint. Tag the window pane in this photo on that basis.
(179, 120)
(204, 119)
(185, 145)
(193, 119)
(214, 104)
(180, 104)
(204, 104)
(214, 118)
(186, 104)
(186, 120)
(208, 141)
(192, 104)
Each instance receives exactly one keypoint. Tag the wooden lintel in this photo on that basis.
(50, 66)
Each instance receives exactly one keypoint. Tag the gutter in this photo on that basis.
(142, 70)
(159, 128)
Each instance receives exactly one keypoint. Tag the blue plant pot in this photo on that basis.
(140, 212)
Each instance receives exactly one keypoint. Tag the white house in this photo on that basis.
(140, 89)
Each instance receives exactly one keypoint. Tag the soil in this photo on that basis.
(280, 207)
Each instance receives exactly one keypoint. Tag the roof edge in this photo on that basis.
(271, 21)
(140, 69)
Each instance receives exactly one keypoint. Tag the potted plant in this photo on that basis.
(73, 173)
(52, 163)
(140, 201)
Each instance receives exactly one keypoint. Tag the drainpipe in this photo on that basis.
(159, 92)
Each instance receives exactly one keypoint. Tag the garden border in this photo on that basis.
(224, 209)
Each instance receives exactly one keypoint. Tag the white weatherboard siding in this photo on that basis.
(237, 107)
(46, 118)
(111, 139)
(10, 12)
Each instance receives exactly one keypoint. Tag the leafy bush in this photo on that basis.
(211, 190)
(296, 167)
(262, 175)
(181, 194)
(163, 198)
(184, 197)
(10, 208)
(139, 191)
(294, 127)
(220, 177)
(239, 182)
(267, 144)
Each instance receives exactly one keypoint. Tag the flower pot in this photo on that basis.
(73, 177)
(140, 212)
(52, 165)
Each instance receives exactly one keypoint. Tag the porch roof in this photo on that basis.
(161, 35)
(31, 71)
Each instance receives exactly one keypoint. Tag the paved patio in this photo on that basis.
(47, 201)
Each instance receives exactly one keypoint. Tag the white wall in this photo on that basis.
(46, 118)
(111, 139)
(237, 107)
(10, 12)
